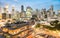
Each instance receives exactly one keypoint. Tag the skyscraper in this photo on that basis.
(0, 9)
(13, 12)
(0, 12)
(44, 14)
(28, 11)
(6, 8)
(51, 11)
(51, 7)
(58, 15)
(3, 15)
(13, 8)
(22, 8)
(22, 13)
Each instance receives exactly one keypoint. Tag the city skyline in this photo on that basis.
(35, 4)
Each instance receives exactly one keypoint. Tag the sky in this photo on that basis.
(35, 4)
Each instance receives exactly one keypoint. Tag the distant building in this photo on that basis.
(22, 8)
(14, 16)
(58, 12)
(51, 11)
(18, 15)
(0, 16)
(9, 14)
(1, 12)
(5, 12)
(51, 8)
(3, 15)
(37, 12)
(58, 15)
(48, 13)
(29, 12)
(22, 13)
(43, 13)
(6, 8)
(0, 9)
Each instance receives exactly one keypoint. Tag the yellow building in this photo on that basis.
(1, 10)
(0, 16)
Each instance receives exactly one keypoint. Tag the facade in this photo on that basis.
(22, 13)
(9, 15)
(51, 11)
(38, 12)
(14, 13)
(6, 8)
(3, 15)
(58, 15)
(0, 16)
(13, 10)
(5, 11)
(29, 12)
(18, 15)
(43, 13)
(22, 8)
(0, 12)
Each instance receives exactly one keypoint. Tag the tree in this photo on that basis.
(54, 22)
(38, 25)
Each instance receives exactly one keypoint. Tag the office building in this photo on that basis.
(29, 12)
(22, 8)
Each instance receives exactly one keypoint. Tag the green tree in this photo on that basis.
(38, 25)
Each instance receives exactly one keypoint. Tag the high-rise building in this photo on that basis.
(13, 12)
(13, 8)
(29, 11)
(5, 11)
(17, 15)
(0, 12)
(58, 15)
(6, 8)
(9, 15)
(51, 7)
(0, 9)
(22, 13)
(44, 13)
(51, 11)
(3, 15)
(22, 8)
(37, 11)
